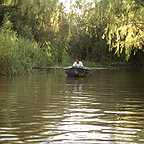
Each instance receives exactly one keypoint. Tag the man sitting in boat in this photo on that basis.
(78, 64)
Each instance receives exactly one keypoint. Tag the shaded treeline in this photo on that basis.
(42, 32)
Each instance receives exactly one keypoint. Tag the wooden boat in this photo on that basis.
(76, 71)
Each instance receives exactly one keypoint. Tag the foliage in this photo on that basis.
(41, 32)
(125, 33)
(17, 55)
(44, 21)
(107, 29)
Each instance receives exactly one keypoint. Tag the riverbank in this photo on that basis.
(16, 67)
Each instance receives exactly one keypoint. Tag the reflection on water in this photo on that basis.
(47, 107)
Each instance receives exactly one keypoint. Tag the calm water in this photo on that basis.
(47, 108)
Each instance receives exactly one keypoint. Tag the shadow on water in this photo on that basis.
(47, 107)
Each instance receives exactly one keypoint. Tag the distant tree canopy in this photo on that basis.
(96, 30)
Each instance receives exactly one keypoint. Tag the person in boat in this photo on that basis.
(78, 64)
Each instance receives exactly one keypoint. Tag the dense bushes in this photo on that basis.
(19, 55)
(41, 32)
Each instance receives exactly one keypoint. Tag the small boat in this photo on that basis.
(76, 71)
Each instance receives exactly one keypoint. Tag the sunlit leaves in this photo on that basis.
(8, 2)
(89, 27)
(125, 33)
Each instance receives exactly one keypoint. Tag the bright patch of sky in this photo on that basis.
(68, 3)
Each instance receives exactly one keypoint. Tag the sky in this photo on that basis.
(66, 4)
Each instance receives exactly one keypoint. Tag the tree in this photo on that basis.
(125, 31)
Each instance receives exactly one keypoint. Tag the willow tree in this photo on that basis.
(125, 32)
(88, 21)
(34, 23)
(41, 20)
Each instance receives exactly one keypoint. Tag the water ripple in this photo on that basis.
(107, 108)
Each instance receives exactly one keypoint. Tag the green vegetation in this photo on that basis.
(42, 33)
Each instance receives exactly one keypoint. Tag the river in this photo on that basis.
(46, 107)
